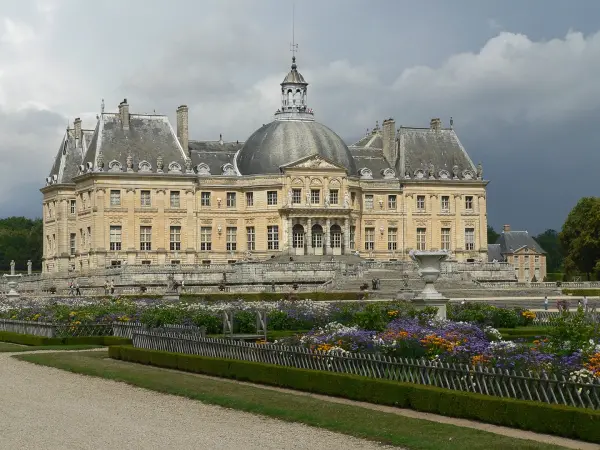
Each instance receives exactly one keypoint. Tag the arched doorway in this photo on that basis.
(335, 239)
(298, 239)
(317, 239)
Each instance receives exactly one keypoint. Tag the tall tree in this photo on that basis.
(580, 236)
(550, 242)
(20, 240)
(492, 236)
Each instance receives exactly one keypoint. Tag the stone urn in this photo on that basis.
(12, 283)
(430, 265)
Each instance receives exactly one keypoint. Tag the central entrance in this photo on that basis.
(317, 239)
(298, 239)
(335, 239)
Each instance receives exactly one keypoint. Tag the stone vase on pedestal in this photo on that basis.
(430, 265)
(11, 282)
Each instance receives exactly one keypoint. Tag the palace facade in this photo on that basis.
(136, 191)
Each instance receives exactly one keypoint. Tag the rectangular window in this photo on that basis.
(146, 262)
(421, 238)
(368, 201)
(469, 238)
(421, 202)
(115, 238)
(526, 260)
(249, 198)
(145, 198)
(445, 203)
(72, 243)
(271, 198)
(231, 239)
(315, 196)
(537, 260)
(369, 238)
(352, 198)
(392, 239)
(206, 262)
(73, 204)
(175, 199)
(115, 197)
(469, 203)
(446, 239)
(205, 238)
(296, 196)
(392, 202)
(175, 238)
(231, 199)
(516, 260)
(145, 238)
(352, 237)
(115, 263)
(250, 239)
(334, 197)
(273, 237)
(205, 199)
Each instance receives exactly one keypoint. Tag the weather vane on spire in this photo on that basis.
(293, 45)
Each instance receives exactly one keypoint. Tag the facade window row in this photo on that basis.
(421, 235)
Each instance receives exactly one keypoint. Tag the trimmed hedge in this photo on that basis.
(272, 296)
(29, 339)
(577, 423)
(582, 292)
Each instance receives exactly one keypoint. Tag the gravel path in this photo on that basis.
(44, 408)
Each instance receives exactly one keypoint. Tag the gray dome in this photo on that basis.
(284, 141)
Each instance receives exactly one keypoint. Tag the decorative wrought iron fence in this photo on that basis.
(501, 383)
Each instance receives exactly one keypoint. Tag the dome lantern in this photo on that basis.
(294, 97)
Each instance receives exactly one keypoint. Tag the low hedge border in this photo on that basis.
(582, 292)
(273, 296)
(30, 339)
(576, 423)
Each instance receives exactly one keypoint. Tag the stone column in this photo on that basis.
(290, 235)
(346, 236)
(327, 237)
(309, 250)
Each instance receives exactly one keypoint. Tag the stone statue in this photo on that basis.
(100, 161)
(326, 197)
(431, 171)
(479, 171)
(188, 166)
(29, 265)
(407, 172)
(129, 163)
(346, 200)
(159, 164)
(307, 197)
(12, 267)
(290, 195)
(455, 172)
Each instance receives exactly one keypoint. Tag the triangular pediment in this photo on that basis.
(313, 162)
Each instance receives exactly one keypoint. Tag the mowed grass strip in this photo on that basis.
(347, 419)
(8, 347)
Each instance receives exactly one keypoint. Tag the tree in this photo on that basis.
(580, 236)
(550, 242)
(492, 236)
(21, 240)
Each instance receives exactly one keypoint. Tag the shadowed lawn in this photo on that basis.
(347, 419)
(8, 347)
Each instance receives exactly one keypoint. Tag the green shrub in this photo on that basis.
(563, 421)
(582, 292)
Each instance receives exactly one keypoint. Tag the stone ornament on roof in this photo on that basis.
(431, 172)
(129, 163)
(203, 169)
(468, 174)
(455, 172)
(188, 166)
(419, 174)
(407, 172)
(174, 167)
(444, 175)
(100, 161)
(388, 173)
(479, 171)
(159, 164)
(144, 166)
(115, 166)
(228, 169)
(366, 173)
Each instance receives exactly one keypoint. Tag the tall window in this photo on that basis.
(72, 243)
(115, 197)
(145, 238)
(368, 201)
(469, 238)
(175, 238)
(175, 199)
(249, 198)
(352, 237)
(204, 198)
(73, 204)
(250, 239)
(421, 238)
(145, 198)
(315, 196)
(516, 260)
(469, 202)
(271, 198)
(392, 202)
(392, 239)
(445, 203)
(273, 237)
(445, 235)
(296, 196)
(334, 196)
(205, 238)
(352, 198)
(231, 199)
(421, 202)
(369, 238)
(115, 238)
(537, 260)
(231, 239)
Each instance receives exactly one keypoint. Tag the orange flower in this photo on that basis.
(479, 360)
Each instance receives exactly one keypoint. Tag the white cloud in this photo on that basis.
(16, 33)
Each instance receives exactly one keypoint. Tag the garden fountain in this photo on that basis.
(430, 264)
(11, 282)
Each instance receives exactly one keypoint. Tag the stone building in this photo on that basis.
(522, 251)
(136, 191)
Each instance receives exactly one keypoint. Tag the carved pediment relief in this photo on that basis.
(313, 162)
(297, 182)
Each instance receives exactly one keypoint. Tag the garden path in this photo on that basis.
(48, 408)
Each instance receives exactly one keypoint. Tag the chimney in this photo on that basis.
(77, 124)
(182, 127)
(435, 124)
(124, 113)
(506, 228)
(389, 141)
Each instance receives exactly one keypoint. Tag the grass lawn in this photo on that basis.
(352, 420)
(8, 347)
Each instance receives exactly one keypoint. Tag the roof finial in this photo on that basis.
(451, 122)
(293, 45)
(102, 106)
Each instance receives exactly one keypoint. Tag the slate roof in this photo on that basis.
(372, 140)
(372, 159)
(70, 156)
(294, 77)
(511, 241)
(214, 160)
(146, 138)
(214, 146)
(495, 253)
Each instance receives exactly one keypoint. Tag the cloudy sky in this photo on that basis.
(521, 80)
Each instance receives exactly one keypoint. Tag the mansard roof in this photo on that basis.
(513, 241)
(370, 158)
(70, 156)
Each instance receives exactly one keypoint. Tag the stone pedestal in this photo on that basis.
(11, 282)
(429, 269)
